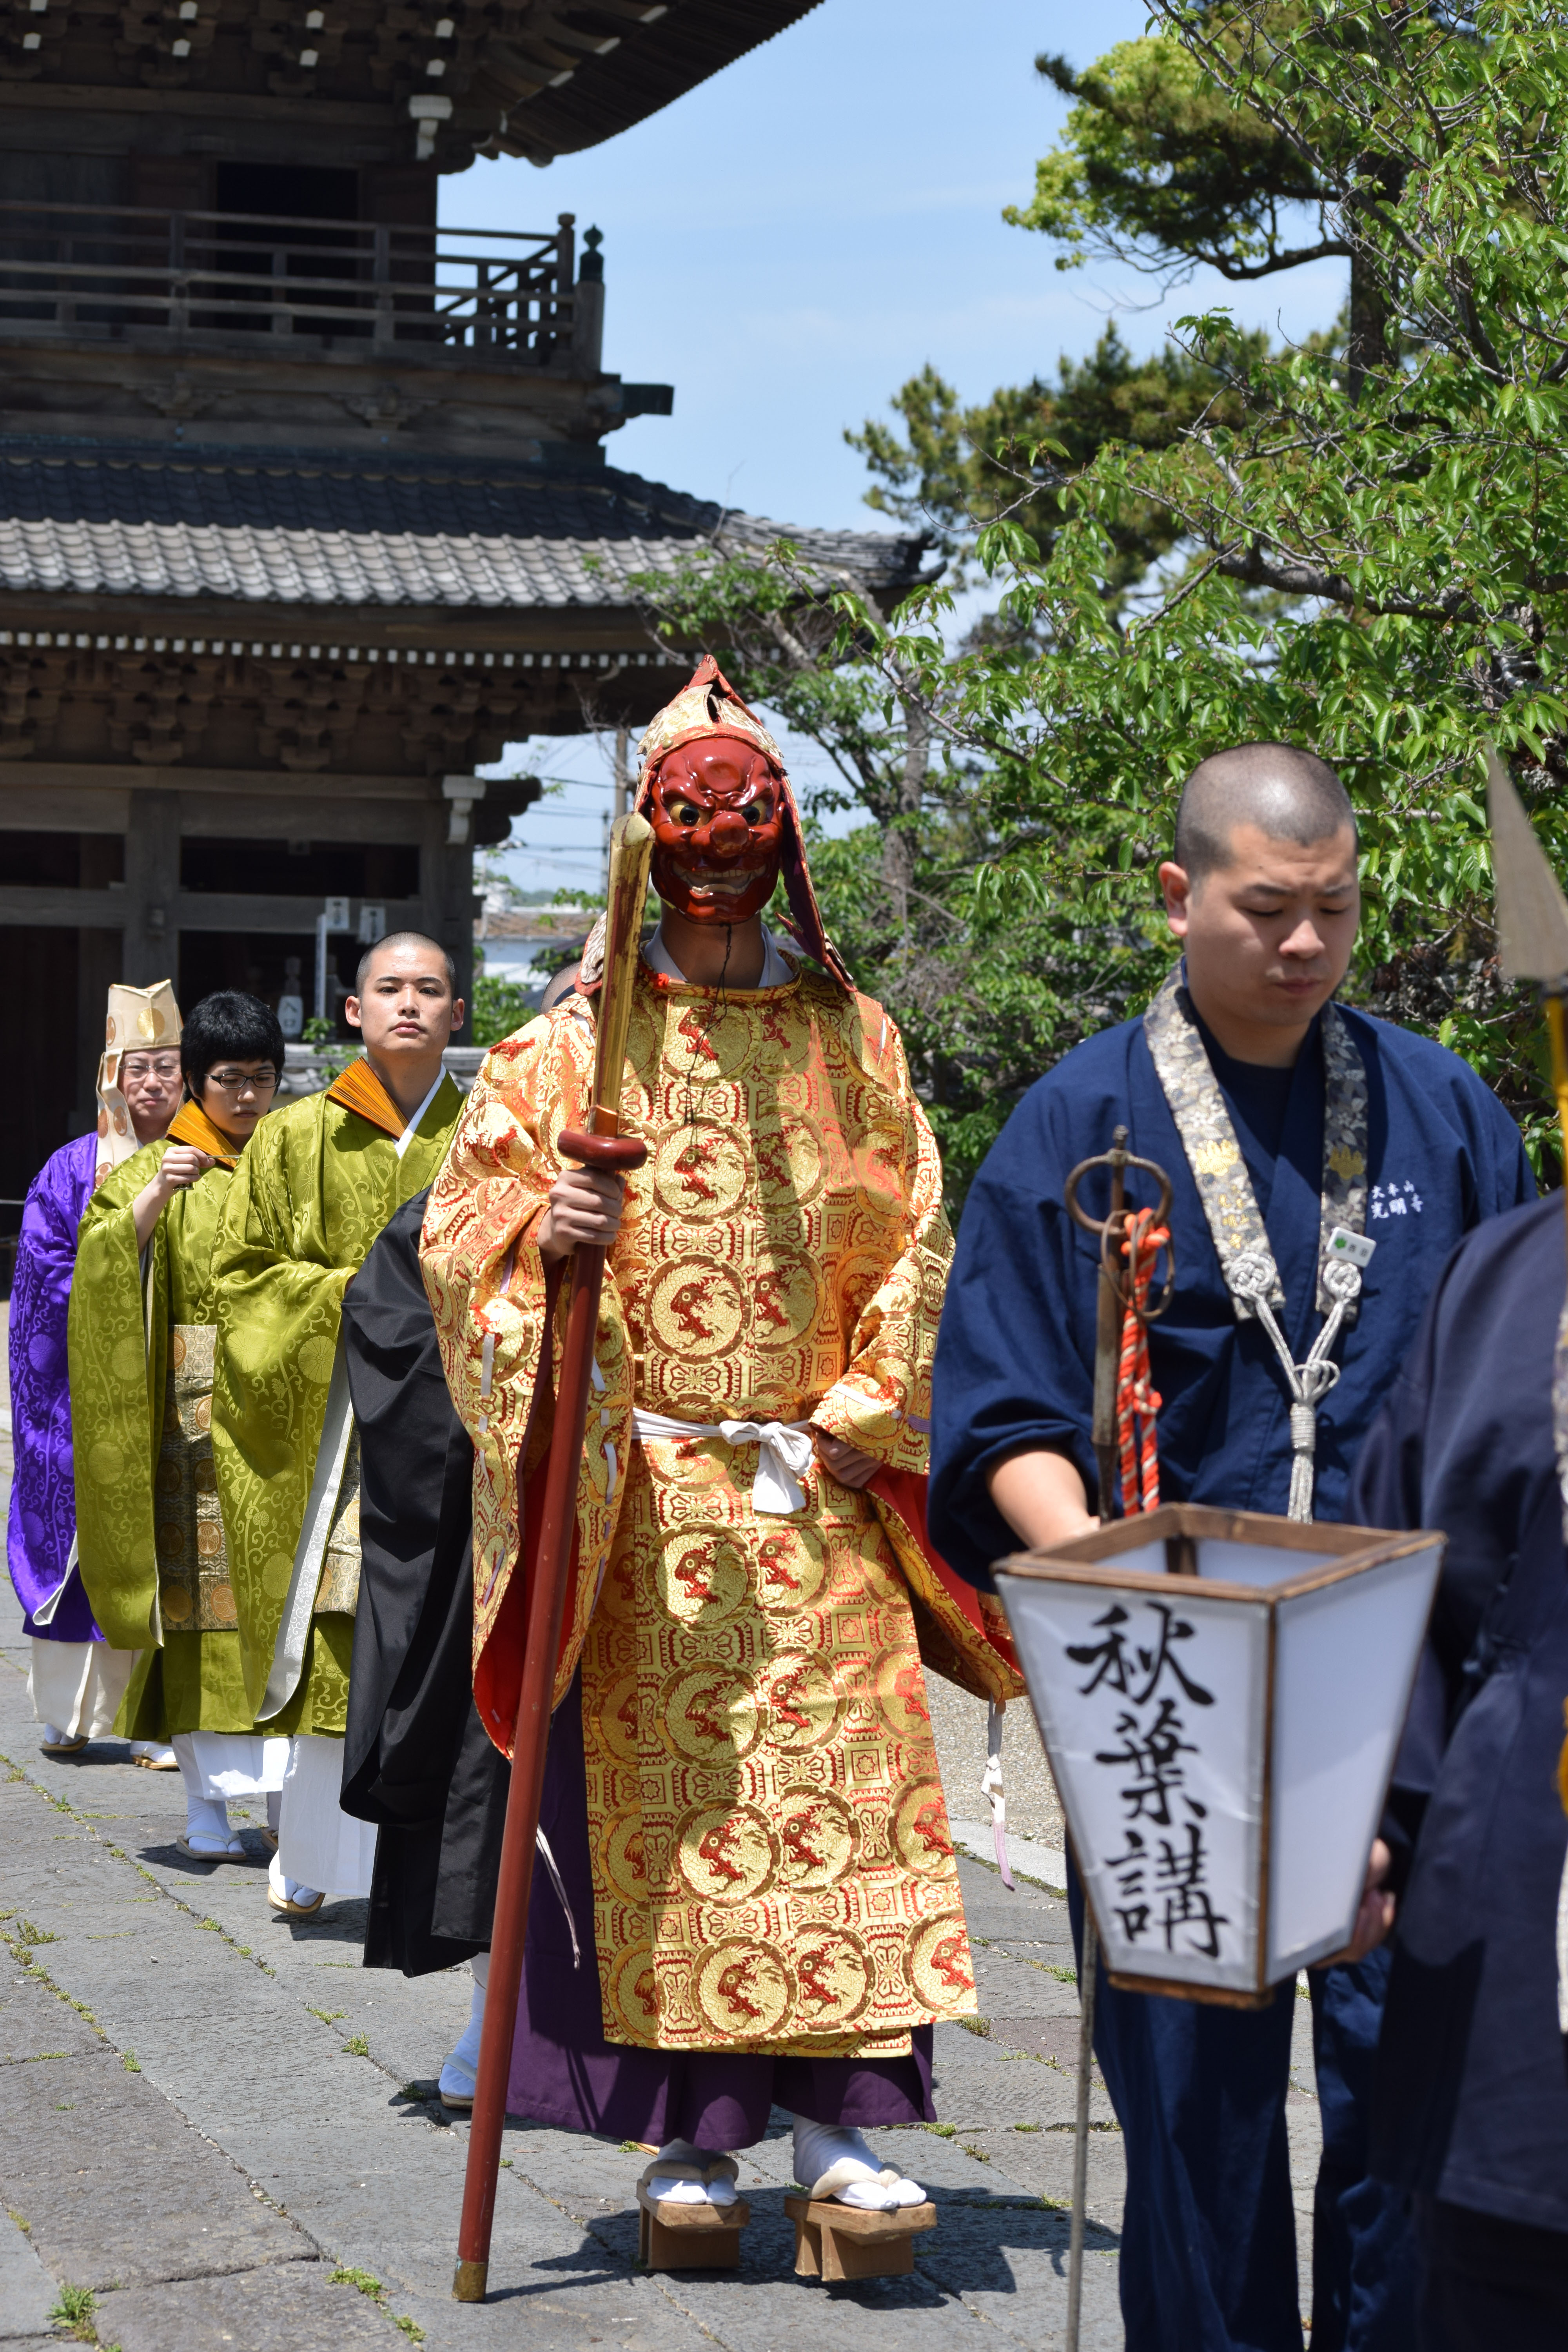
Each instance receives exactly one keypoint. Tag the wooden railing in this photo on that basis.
(92, 271)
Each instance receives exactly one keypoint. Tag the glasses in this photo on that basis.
(138, 1065)
(241, 1082)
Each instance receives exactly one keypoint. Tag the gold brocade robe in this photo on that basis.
(317, 1183)
(769, 1850)
(149, 1530)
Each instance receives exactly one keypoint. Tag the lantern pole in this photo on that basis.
(1113, 1301)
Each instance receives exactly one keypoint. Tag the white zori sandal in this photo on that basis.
(683, 2175)
(833, 2161)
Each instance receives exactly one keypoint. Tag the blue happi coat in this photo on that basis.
(1014, 1360)
(1471, 2096)
(1208, 2257)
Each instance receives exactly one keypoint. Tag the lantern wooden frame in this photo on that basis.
(1269, 1617)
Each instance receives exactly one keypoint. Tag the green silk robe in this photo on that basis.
(316, 1185)
(149, 1530)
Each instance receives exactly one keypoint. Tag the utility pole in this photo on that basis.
(621, 798)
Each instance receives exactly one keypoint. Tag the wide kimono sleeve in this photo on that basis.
(500, 1319)
(119, 1331)
(42, 1517)
(1014, 1366)
(278, 1309)
(881, 1400)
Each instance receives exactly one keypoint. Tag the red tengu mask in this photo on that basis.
(716, 806)
(725, 824)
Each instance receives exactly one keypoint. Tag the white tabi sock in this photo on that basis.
(290, 1889)
(461, 2068)
(834, 2160)
(684, 2174)
(207, 1824)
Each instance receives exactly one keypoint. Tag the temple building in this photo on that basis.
(305, 511)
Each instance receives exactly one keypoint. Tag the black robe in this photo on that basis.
(1471, 2100)
(417, 1759)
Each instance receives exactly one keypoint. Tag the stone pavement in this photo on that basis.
(176, 2066)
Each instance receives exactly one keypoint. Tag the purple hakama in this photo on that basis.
(42, 1524)
(564, 2071)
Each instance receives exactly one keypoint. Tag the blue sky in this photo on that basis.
(826, 215)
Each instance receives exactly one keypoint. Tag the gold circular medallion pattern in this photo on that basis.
(168, 1477)
(177, 1349)
(634, 1992)
(174, 1602)
(792, 1566)
(804, 1708)
(783, 1303)
(204, 1475)
(699, 1171)
(616, 1722)
(625, 1857)
(742, 1989)
(900, 1685)
(819, 1838)
(939, 1966)
(789, 1163)
(833, 1974)
(920, 1838)
(171, 1540)
(701, 1574)
(696, 1308)
(209, 1538)
(728, 1852)
(220, 1601)
(709, 1714)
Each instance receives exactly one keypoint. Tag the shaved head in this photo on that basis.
(1290, 795)
(404, 940)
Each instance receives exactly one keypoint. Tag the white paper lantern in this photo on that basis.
(1221, 1695)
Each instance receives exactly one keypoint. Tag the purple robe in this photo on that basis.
(42, 1526)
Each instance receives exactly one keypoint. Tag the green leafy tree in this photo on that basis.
(1166, 166)
(958, 469)
(1407, 533)
(499, 1006)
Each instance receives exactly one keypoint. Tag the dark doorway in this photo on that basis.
(37, 976)
(287, 191)
(276, 261)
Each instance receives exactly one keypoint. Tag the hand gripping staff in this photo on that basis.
(602, 1146)
(1130, 1241)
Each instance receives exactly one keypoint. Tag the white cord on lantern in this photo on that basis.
(991, 1787)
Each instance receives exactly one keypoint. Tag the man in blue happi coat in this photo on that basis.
(1283, 1118)
(1470, 2095)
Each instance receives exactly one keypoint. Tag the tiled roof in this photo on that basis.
(293, 530)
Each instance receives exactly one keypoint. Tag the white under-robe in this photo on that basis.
(319, 1844)
(77, 1687)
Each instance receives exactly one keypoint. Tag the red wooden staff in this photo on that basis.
(602, 1146)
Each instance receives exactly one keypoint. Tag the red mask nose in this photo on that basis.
(729, 834)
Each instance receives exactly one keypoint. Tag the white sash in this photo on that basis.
(785, 1453)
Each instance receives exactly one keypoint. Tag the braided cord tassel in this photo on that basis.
(1136, 1401)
